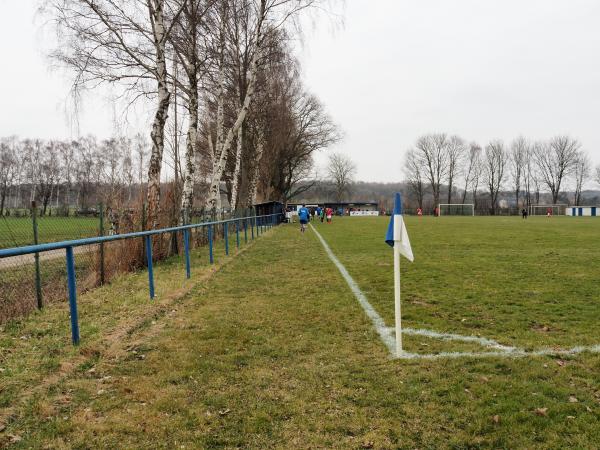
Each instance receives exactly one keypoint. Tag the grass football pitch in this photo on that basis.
(270, 348)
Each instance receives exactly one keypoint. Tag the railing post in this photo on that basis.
(148, 240)
(38, 277)
(72, 288)
(101, 233)
(245, 231)
(237, 233)
(252, 227)
(226, 237)
(186, 246)
(210, 245)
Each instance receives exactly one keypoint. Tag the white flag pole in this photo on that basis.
(397, 243)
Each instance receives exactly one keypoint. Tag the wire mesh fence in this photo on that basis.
(32, 281)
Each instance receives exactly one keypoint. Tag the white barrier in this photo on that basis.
(363, 213)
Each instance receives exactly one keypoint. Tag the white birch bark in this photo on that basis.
(223, 149)
(187, 197)
(236, 170)
(253, 182)
(160, 117)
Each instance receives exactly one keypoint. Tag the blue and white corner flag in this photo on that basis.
(397, 237)
(396, 232)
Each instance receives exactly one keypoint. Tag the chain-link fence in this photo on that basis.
(31, 281)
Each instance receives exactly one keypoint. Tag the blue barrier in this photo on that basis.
(147, 237)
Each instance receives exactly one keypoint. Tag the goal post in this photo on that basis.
(542, 210)
(456, 209)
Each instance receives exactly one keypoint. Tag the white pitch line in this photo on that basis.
(387, 333)
(378, 322)
(484, 342)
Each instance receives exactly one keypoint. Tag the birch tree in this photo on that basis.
(121, 42)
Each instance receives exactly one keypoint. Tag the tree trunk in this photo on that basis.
(160, 118)
(187, 197)
(253, 182)
(223, 149)
(236, 171)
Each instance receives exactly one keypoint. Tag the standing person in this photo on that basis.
(549, 212)
(419, 212)
(304, 216)
(329, 213)
(524, 213)
(322, 214)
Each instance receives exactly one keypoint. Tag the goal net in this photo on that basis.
(542, 210)
(456, 209)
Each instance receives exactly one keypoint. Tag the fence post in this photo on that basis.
(245, 231)
(38, 277)
(252, 227)
(226, 236)
(148, 240)
(210, 244)
(237, 233)
(101, 233)
(72, 288)
(186, 246)
(143, 228)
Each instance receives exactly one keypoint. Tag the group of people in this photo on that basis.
(305, 215)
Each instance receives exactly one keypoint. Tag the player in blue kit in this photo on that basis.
(304, 216)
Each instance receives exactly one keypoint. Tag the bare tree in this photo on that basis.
(8, 168)
(556, 160)
(472, 172)
(519, 149)
(582, 171)
(121, 41)
(432, 156)
(495, 159)
(455, 149)
(341, 169)
(414, 176)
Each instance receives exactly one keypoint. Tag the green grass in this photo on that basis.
(18, 231)
(273, 350)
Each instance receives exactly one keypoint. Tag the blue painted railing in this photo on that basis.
(260, 222)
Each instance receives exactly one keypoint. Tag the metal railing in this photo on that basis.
(253, 224)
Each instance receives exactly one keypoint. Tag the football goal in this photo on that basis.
(542, 210)
(456, 209)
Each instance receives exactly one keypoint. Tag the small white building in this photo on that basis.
(590, 211)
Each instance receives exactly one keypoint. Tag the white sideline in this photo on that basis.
(387, 333)
(384, 332)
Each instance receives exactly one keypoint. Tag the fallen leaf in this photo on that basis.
(573, 399)
(368, 444)
(560, 362)
(224, 412)
(484, 379)
(541, 411)
(496, 419)
(15, 438)
(588, 409)
(570, 417)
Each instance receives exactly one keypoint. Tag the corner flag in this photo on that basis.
(402, 238)
(397, 237)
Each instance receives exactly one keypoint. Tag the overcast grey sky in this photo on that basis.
(484, 69)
